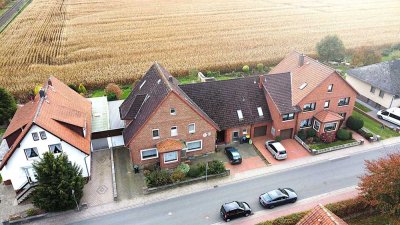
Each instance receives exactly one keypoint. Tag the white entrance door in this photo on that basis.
(30, 173)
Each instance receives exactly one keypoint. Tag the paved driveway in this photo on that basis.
(294, 150)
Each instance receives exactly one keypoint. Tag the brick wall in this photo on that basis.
(277, 122)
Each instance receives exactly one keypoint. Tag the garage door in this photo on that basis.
(286, 134)
(260, 131)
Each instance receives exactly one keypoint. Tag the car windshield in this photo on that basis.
(240, 204)
(282, 152)
(235, 155)
(284, 192)
(267, 197)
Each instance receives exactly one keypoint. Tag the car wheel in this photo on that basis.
(247, 214)
(380, 117)
(227, 220)
(271, 206)
(294, 200)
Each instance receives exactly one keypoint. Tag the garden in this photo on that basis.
(374, 127)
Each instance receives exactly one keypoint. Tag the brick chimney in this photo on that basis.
(260, 83)
(301, 60)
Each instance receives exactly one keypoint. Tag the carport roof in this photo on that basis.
(100, 115)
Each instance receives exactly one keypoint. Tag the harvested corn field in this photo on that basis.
(102, 41)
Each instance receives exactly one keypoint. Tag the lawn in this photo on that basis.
(126, 90)
(362, 107)
(373, 220)
(325, 145)
(375, 127)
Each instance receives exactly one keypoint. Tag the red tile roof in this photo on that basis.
(62, 109)
(328, 116)
(169, 144)
(321, 216)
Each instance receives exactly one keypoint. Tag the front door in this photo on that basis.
(260, 131)
(30, 173)
(235, 136)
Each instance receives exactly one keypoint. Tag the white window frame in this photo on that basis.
(309, 119)
(172, 161)
(35, 134)
(152, 134)
(62, 150)
(348, 103)
(194, 128)
(172, 113)
(319, 125)
(327, 106)
(33, 149)
(288, 116)
(196, 149)
(330, 88)
(336, 126)
(244, 131)
(148, 149)
(176, 129)
(240, 114)
(260, 112)
(43, 135)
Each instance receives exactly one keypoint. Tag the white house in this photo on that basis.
(57, 120)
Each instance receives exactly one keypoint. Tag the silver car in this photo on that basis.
(276, 149)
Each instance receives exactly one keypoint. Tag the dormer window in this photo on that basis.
(240, 114)
(43, 135)
(260, 112)
(172, 111)
(35, 136)
(330, 88)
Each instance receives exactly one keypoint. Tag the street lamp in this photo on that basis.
(73, 194)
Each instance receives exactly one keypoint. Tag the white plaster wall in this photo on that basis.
(117, 141)
(14, 169)
(364, 89)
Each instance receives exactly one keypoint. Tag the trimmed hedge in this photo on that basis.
(343, 134)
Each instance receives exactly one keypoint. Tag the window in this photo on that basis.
(372, 90)
(288, 116)
(344, 101)
(43, 135)
(317, 125)
(172, 111)
(244, 131)
(194, 145)
(170, 157)
(31, 152)
(174, 131)
(309, 107)
(394, 116)
(381, 93)
(35, 136)
(156, 133)
(260, 112)
(343, 115)
(149, 154)
(385, 113)
(192, 128)
(306, 123)
(330, 127)
(330, 88)
(55, 148)
(326, 105)
(240, 114)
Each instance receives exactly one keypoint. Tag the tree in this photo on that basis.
(57, 177)
(380, 186)
(7, 106)
(365, 56)
(354, 123)
(331, 48)
(112, 88)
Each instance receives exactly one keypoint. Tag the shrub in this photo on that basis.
(216, 167)
(291, 219)
(8, 106)
(82, 89)
(331, 48)
(194, 172)
(246, 69)
(32, 212)
(278, 138)
(184, 168)
(311, 133)
(366, 135)
(328, 137)
(213, 74)
(158, 178)
(317, 139)
(260, 67)
(354, 123)
(343, 134)
(111, 97)
(365, 56)
(349, 207)
(193, 72)
(113, 88)
(177, 175)
(302, 135)
(202, 168)
(73, 87)
(37, 89)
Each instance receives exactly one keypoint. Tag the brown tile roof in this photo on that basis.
(311, 73)
(156, 84)
(169, 145)
(61, 108)
(221, 100)
(320, 215)
(328, 116)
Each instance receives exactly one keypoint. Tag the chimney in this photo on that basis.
(260, 84)
(301, 60)
(42, 94)
(170, 78)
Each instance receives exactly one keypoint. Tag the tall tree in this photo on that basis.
(7, 106)
(57, 177)
(365, 56)
(331, 48)
(380, 186)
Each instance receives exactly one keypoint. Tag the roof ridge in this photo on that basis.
(330, 216)
(40, 103)
(162, 75)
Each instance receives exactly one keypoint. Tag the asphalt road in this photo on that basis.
(203, 207)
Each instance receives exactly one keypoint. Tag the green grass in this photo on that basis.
(11, 3)
(362, 107)
(187, 79)
(325, 145)
(375, 127)
(2, 131)
(126, 90)
(373, 220)
(97, 93)
(194, 79)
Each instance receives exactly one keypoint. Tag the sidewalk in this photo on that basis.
(72, 216)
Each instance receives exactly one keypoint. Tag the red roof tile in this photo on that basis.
(321, 216)
(328, 116)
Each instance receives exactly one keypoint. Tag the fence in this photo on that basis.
(325, 150)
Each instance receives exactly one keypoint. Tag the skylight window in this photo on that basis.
(240, 114)
(260, 112)
(304, 85)
(142, 84)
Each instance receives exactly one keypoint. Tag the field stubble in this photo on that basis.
(97, 42)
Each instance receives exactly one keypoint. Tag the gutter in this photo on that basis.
(87, 170)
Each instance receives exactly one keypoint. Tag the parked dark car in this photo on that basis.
(234, 209)
(278, 197)
(233, 155)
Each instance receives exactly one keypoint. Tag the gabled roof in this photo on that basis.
(147, 95)
(222, 99)
(279, 87)
(310, 74)
(62, 106)
(328, 116)
(384, 75)
(320, 215)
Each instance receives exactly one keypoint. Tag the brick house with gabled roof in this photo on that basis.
(320, 215)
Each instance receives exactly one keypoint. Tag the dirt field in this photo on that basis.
(96, 42)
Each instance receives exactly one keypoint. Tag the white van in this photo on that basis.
(392, 115)
(276, 149)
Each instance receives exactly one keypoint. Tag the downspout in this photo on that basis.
(391, 101)
(87, 170)
(295, 125)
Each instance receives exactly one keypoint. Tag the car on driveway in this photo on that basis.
(276, 149)
(278, 197)
(233, 155)
(234, 209)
